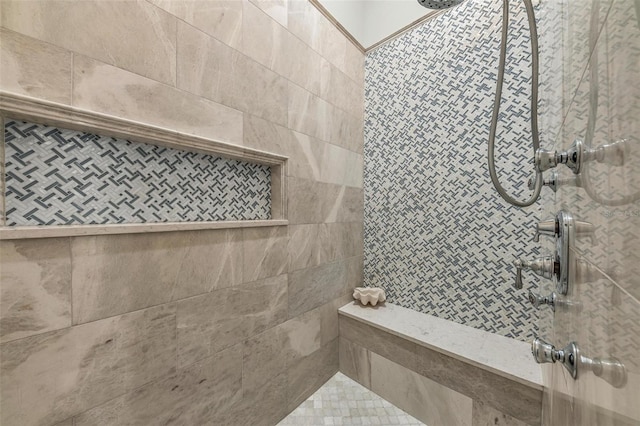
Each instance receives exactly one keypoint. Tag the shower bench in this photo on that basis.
(439, 371)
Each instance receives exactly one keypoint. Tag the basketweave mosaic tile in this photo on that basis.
(56, 176)
(438, 237)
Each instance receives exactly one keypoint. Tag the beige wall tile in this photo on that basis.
(114, 274)
(507, 396)
(304, 22)
(354, 64)
(276, 9)
(263, 406)
(33, 68)
(299, 63)
(190, 396)
(314, 202)
(214, 321)
(355, 362)
(309, 114)
(341, 91)
(303, 246)
(35, 287)
(330, 325)
(307, 374)
(333, 44)
(209, 68)
(424, 399)
(485, 415)
(312, 287)
(102, 88)
(339, 240)
(115, 32)
(41, 375)
(267, 136)
(221, 19)
(263, 39)
(272, 352)
(263, 357)
(265, 252)
(385, 344)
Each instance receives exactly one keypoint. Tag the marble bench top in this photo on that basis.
(501, 355)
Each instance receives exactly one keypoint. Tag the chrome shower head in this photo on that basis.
(439, 4)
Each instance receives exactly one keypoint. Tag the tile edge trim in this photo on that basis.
(26, 232)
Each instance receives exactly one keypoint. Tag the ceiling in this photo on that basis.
(371, 21)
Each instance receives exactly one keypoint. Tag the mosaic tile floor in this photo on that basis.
(342, 401)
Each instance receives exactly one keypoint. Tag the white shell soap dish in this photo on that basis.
(369, 295)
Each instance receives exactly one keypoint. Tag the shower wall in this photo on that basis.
(228, 326)
(438, 237)
(596, 74)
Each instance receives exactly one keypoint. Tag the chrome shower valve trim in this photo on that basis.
(546, 267)
(554, 182)
(613, 154)
(610, 370)
(537, 300)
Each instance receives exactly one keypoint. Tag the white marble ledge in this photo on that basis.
(501, 355)
(23, 232)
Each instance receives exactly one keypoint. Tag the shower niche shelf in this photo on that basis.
(69, 172)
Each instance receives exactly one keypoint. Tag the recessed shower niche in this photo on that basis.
(54, 176)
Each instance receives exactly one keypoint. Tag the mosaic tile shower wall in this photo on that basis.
(438, 237)
(67, 177)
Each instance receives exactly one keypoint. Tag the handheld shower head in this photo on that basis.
(439, 4)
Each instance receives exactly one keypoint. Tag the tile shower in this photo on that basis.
(240, 325)
(216, 326)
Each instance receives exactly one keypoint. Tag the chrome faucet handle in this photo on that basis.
(543, 266)
(536, 300)
(552, 182)
(546, 227)
(518, 282)
(544, 352)
(610, 370)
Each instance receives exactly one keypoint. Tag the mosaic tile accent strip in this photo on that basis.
(438, 238)
(67, 177)
(342, 401)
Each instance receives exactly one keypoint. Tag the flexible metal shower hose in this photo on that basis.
(534, 104)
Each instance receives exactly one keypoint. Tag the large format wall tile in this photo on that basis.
(35, 287)
(103, 88)
(209, 68)
(108, 31)
(265, 252)
(424, 399)
(33, 68)
(355, 362)
(115, 274)
(191, 396)
(307, 374)
(509, 397)
(396, 349)
(277, 9)
(304, 22)
(221, 19)
(222, 318)
(316, 202)
(42, 375)
(263, 406)
(312, 287)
